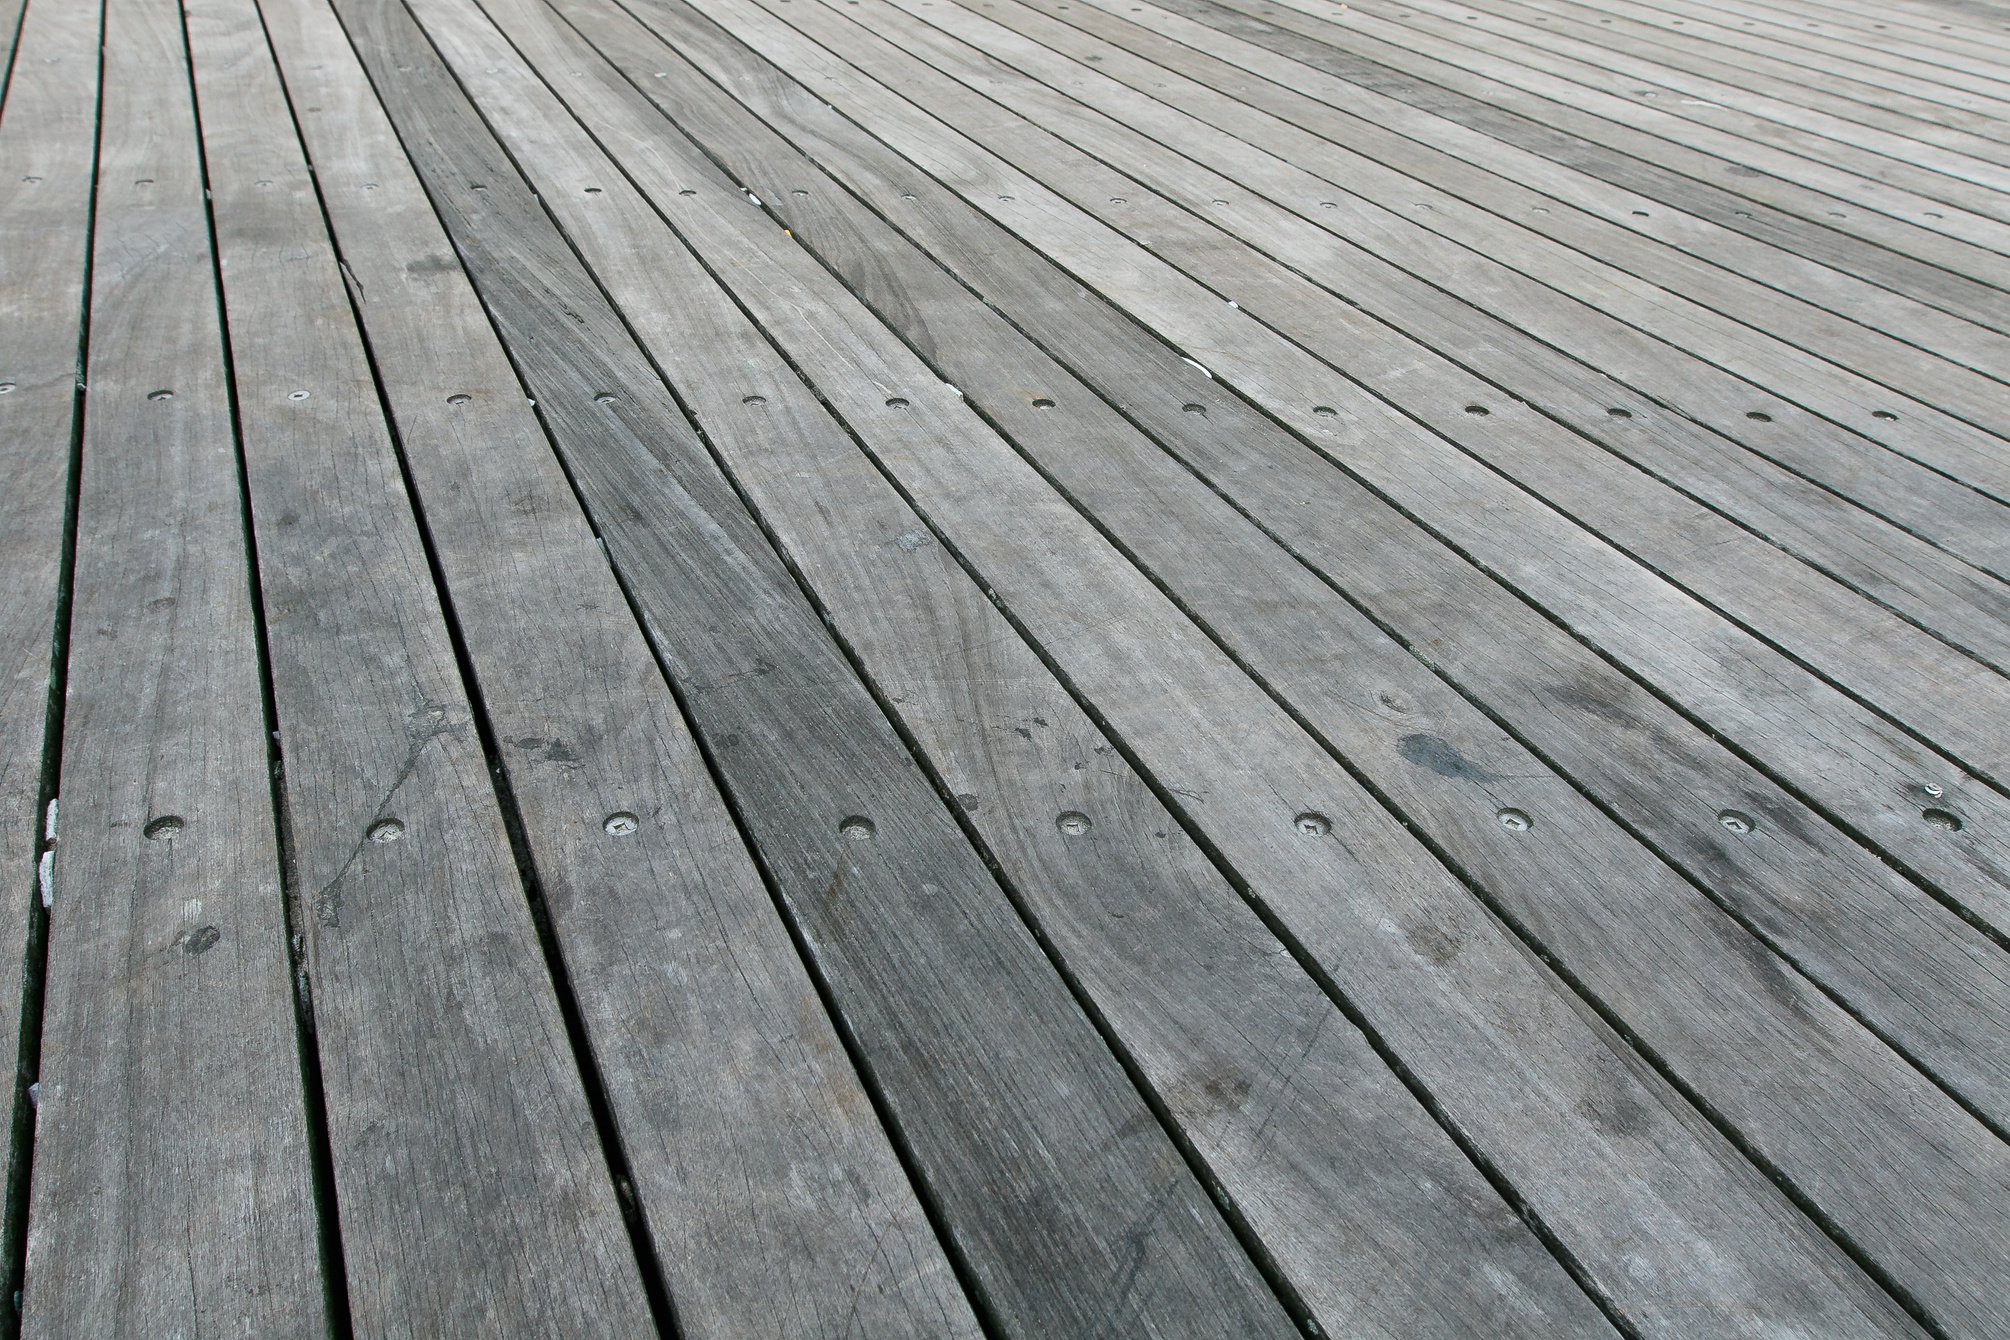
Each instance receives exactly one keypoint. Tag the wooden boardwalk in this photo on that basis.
(1007, 668)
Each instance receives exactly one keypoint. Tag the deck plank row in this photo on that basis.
(1470, 612)
(1007, 667)
(172, 1179)
(48, 150)
(1600, 595)
(964, 529)
(1874, 248)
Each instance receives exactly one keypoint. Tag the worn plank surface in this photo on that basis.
(440, 1036)
(1088, 848)
(1006, 667)
(1044, 1155)
(48, 149)
(870, 364)
(1734, 195)
(1426, 595)
(759, 1166)
(172, 1187)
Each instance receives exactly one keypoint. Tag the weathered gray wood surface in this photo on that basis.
(983, 367)
(1870, 772)
(11, 17)
(440, 1036)
(1426, 596)
(1765, 207)
(1043, 1158)
(1292, 237)
(1742, 109)
(1093, 855)
(1964, 240)
(48, 147)
(1786, 509)
(1931, 67)
(1542, 194)
(1010, 667)
(172, 1190)
(845, 383)
(774, 1200)
(1693, 46)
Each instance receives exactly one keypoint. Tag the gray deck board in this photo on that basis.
(759, 1165)
(439, 1033)
(1965, 241)
(1874, 248)
(1787, 508)
(172, 1190)
(1536, 192)
(1027, 668)
(1045, 1181)
(48, 149)
(1697, 48)
(845, 378)
(1239, 1019)
(1427, 597)
(1200, 563)
(1800, 126)
(1664, 633)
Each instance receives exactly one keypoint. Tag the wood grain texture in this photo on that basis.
(1046, 1163)
(48, 146)
(171, 1190)
(1760, 207)
(1929, 70)
(1800, 124)
(1965, 241)
(472, 1187)
(775, 1203)
(1285, 1102)
(1615, 320)
(953, 468)
(1007, 667)
(1921, 974)
(1871, 772)
(1691, 46)
(1549, 196)
(1565, 470)
(1781, 507)
(11, 15)
(1559, 883)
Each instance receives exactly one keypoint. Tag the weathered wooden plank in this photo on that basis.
(1695, 45)
(1561, 881)
(48, 148)
(1950, 25)
(472, 1186)
(958, 473)
(1868, 769)
(1797, 124)
(1323, 231)
(1882, 145)
(1929, 23)
(12, 18)
(1945, 25)
(1331, 173)
(1066, 1201)
(773, 1198)
(1766, 208)
(1223, 1025)
(1947, 596)
(1970, 242)
(1550, 197)
(1891, 51)
(1929, 980)
(171, 1191)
